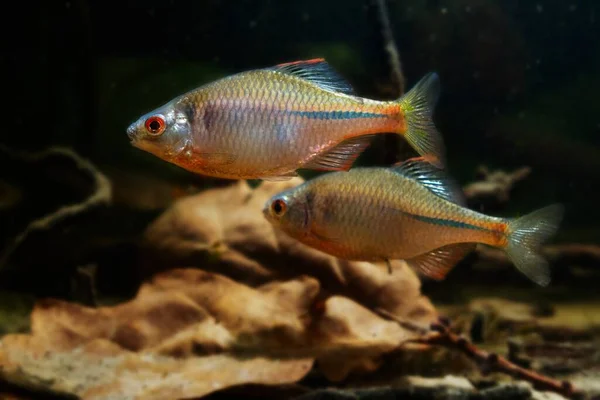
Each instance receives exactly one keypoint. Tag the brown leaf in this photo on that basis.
(189, 332)
(102, 370)
(261, 310)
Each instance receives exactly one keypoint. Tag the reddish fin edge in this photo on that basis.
(311, 61)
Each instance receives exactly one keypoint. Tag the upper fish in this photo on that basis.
(268, 123)
(411, 211)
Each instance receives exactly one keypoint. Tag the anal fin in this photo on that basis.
(342, 156)
(437, 263)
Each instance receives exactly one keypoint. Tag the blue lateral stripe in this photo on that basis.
(336, 114)
(448, 222)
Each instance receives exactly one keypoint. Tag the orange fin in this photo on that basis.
(301, 62)
(342, 156)
(437, 263)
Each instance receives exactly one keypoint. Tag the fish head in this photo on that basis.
(164, 132)
(289, 211)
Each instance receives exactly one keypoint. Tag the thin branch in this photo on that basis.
(440, 335)
(495, 184)
(404, 323)
(390, 47)
(101, 193)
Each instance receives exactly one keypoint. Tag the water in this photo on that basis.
(518, 82)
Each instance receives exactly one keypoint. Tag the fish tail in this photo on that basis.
(419, 130)
(526, 234)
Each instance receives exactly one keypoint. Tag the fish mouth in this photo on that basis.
(265, 209)
(132, 132)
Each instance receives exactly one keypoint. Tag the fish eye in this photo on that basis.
(279, 207)
(155, 125)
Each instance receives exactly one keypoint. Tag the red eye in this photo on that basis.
(279, 207)
(155, 125)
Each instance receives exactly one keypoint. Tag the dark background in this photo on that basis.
(519, 78)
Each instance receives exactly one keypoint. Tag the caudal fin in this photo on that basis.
(525, 236)
(417, 105)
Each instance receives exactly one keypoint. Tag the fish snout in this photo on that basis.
(265, 209)
(132, 131)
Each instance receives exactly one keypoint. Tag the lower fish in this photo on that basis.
(411, 211)
(268, 123)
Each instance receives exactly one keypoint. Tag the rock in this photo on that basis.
(421, 388)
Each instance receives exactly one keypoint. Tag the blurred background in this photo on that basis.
(519, 81)
(518, 78)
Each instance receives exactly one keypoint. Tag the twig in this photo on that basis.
(491, 362)
(439, 334)
(390, 47)
(495, 184)
(404, 323)
(101, 193)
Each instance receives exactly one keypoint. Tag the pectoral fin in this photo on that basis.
(278, 178)
(437, 263)
(217, 158)
(323, 236)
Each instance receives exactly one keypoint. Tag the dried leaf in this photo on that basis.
(189, 332)
(262, 308)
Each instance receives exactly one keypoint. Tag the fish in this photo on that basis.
(409, 211)
(266, 124)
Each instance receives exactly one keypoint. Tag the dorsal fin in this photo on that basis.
(434, 179)
(318, 71)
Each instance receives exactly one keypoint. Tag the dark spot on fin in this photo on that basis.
(218, 158)
(342, 156)
(318, 71)
(434, 179)
(437, 263)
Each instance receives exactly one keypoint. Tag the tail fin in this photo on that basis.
(417, 105)
(526, 234)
